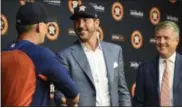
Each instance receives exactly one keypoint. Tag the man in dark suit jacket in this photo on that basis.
(151, 75)
(96, 66)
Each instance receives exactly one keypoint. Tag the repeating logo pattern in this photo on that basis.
(155, 15)
(117, 11)
(133, 89)
(136, 39)
(4, 25)
(53, 31)
(22, 2)
(73, 4)
(172, 1)
(118, 37)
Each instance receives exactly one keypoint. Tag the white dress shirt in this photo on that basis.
(171, 72)
(99, 73)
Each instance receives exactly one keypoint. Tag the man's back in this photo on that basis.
(46, 64)
(21, 76)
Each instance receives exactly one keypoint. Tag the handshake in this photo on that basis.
(65, 102)
(70, 102)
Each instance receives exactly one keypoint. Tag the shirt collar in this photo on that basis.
(171, 58)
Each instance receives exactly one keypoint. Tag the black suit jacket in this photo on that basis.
(147, 83)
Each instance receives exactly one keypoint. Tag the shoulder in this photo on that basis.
(179, 58)
(149, 63)
(68, 50)
(39, 51)
(111, 46)
(180, 55)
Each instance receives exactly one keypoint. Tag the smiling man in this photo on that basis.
(96, 66)
(159, 81)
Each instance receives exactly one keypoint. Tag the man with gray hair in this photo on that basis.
(158, 81)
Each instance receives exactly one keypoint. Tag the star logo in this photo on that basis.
(82, 8)
(52, 31)
(154, 15)
(117, 11)
(136, 39)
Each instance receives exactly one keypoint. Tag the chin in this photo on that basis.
(83, 37)
(162, 54)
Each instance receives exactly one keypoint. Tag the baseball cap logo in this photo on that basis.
(136, 39)
(22, 2)
(53, 31)
(73, 4)
(4, 25)
(82, 8)
(154, 15)
(117, 11)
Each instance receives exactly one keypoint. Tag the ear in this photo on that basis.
(178, 39)
(97, 22)
(38, 27)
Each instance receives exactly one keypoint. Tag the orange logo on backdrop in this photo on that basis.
(22, 2)
(136, 39)
(4, 25)
(172, 1)
(53, 31)
(133, 89)
(154, 15)
(100, 33)
(117, 11)
(73, 4)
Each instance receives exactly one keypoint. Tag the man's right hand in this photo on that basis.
(70, 102)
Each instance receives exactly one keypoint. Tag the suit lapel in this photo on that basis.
(177, 71)
(155, 74)
(80, 57)
(108, 60)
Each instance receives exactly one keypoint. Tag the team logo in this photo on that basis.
(22, 2)
(73, 4)
(133, 89)
(154, 15)
(134, 64)
(53, 31)
(53, 2)
(152, 40)
(172, 1)
(71, 32)
(100, 33)
(4, 25)
(136, 39)
(117, 37)
(117, 11)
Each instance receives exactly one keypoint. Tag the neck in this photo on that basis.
(92, 43)
(29, 37)
(166, 56)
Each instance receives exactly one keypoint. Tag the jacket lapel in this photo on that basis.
(177, 71)
(108, 60)
(155, 74)
(81, 59)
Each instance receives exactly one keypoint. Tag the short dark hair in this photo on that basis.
(23, 28)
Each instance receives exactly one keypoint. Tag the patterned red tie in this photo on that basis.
(165, 91)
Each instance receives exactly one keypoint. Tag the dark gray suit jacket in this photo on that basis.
(147, 83)
(74, 59)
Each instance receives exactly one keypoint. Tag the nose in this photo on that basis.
(81, 23)
(162, 40)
